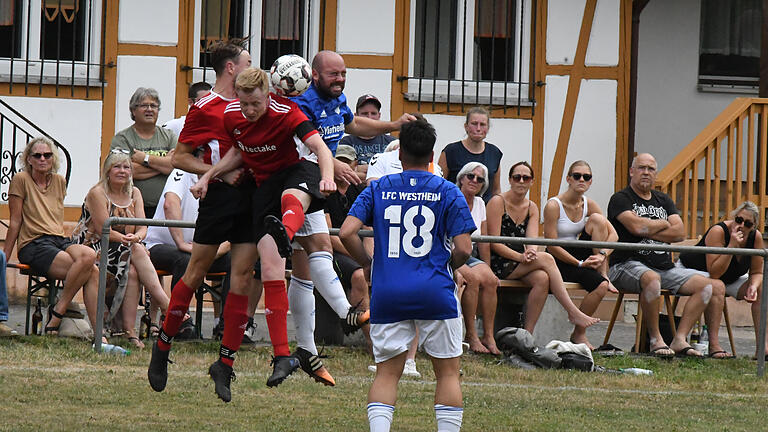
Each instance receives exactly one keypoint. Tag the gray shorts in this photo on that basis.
(473, 261)
(731, 289)
(626, 276)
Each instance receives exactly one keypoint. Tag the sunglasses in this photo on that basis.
(747, 223)
(120, 151)
(476, 178)
(521, 177)
(579, 176)
(46, 155)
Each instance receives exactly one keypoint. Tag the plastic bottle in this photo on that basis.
(113, 349)
(37, 319)
(704, 340)
(636, 371)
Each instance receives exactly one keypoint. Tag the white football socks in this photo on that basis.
(380, 416)
(301, 301)
(448, 418)
(327, 282)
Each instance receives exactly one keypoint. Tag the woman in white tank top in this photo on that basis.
(573, 216)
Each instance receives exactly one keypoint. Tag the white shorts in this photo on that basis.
(438, 338)
(314, 223)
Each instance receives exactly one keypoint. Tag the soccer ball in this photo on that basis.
(290, 75)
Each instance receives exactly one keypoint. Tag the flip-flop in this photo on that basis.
(655, 352)
(727, 355)
(684, 353)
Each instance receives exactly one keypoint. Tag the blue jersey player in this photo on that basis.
(421, 226)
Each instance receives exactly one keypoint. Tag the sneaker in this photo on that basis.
(409, 369)
(276, 229)
(354, 320)
(249, 337)
(6, 331)
(283, 366)
(313, 366)
(158, 368)
(222, 375)
(186, 331)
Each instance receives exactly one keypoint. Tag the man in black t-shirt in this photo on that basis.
(646, 216)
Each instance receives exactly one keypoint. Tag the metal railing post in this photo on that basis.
(761, 329)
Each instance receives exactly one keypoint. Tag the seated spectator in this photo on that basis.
(115, 196)
(368, 106)
(337, 207)
(741, 274)
(196, 91)
(643, 215)
(150, 146)
(36, 202)
(474, 148)
(573, 216)
(481, 283)
(5, 331)
(508, 215)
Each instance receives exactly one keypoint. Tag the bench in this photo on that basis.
(35, 284)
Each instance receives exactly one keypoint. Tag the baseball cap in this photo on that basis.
(368, 98)
(346, 151)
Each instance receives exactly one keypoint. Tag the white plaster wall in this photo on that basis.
(593, 136)
(670, 109)
(76, 124)
(563, 26)
(373, 81)
(365, 27)
(513, 136)
(149, 22)
(144, 71)
(603, 48)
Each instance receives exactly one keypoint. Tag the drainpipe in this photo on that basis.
(637, 9)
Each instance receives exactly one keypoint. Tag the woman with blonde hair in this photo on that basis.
(573, 216)
(36, 202)
(128, 261)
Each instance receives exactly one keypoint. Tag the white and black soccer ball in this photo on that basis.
(290, 75)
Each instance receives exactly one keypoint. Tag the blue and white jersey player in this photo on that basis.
(422, 229)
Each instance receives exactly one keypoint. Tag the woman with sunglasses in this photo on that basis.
(36, 202)
(741, 274)
(128, 260)
(509, 215)
(573, 216)
(480, 281)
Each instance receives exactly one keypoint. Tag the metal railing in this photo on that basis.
(483, 239)
(60, 45)
(459, 62)
(11, 149)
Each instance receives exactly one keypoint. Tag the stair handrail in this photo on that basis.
(714, 129)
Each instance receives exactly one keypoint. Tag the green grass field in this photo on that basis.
(52, 384)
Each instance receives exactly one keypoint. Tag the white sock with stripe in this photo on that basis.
(380, 416)
(301, 301)
(328, 283)
(448, 418)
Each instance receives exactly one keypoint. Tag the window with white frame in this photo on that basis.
(729, 50)
(271, 28)
(470, 51)
(51, 41)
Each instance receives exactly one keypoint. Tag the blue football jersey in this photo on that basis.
(330, 116)
(414, 215)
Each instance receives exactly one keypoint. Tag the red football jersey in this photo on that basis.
(204, 126)
(268, 144)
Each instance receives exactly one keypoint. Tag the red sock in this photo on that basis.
(276, 305)
(181, 295)
(293, 214)
(235, 319)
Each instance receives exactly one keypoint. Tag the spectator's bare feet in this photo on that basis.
(579, 318)
(682, 349)
(581, 338)
(476, 346)
(490, 343)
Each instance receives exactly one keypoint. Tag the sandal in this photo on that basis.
(686, 353)
(725, 355)
(655, 352)
(52, 330)
(136, 342)
(154, 330)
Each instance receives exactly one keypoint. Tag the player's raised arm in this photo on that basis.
(230, 161)
(324, 161)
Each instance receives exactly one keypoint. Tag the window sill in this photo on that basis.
(728, 88)
(470, 99)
